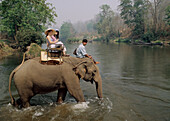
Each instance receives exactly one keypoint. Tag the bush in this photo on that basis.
(123, 40)
(2, 44)
(5, 48)
(157, 42)
(33, 51)
(26, 37)
(162, 33)
(148, 36)
(100, 39)
(73, 40)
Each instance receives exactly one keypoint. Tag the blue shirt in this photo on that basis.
(81, 51)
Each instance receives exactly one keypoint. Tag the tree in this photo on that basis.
(167, 13)
(133, 15)
(126, 9)
(19, 15)
(138, 18)
(67, 31)
(104, 25)
(90, 26)
(157, 10)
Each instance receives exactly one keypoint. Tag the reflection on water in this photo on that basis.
(136, 87)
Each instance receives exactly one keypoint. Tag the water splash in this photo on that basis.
(83, 105)
(93, 109)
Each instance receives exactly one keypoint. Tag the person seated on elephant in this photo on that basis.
(81, 51)
(56, 37)
(50, 41)
(56, 34)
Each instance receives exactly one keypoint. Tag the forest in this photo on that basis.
(138, 21)
(23, 22)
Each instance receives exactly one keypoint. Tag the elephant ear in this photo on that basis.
(80, 69)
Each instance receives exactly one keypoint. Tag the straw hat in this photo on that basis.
(46, 31)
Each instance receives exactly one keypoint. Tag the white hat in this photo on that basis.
(57, 30)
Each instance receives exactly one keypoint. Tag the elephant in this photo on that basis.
(31, 78)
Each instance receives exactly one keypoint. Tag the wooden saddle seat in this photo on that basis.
(55, 48)
(52, 56)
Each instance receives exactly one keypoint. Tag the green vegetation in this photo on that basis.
(167, 13)
(33, 50)
(143, 19)
(73, 40)
(5, 50)
(157, 42)
(23, 20)
(104, 26)
(99, 39)
(121, 40)
(139, 21)
(26, 37)
(67, 31)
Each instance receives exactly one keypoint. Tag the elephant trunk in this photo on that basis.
(98, 82)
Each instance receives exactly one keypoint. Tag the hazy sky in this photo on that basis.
(79, 10)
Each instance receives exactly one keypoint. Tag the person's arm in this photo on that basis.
(83, 50)
(55, 40)
(51, 42)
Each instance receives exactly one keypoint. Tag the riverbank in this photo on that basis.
(139, 42)
(5, 50)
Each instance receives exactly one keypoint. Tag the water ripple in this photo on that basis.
(94, 109)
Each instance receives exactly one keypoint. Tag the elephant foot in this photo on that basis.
(59, 101)
(61, 95)
(26, 105)
(18, 103)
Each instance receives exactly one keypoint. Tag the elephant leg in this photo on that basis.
(75, 90)
(61, 95)
(25, 96)
(18, 103)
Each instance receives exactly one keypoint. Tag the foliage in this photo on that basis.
(138, 15)
(104, 25)
(167, 13)
(145, 18)
(99, 39)
(18, 15)
(73, 40)
(2, 44)
(34, 50)
(133, 15)
(26, 37)
(90, 26)
(126, 8)
(5, 49)
(67, 31)
(121, 40)
(148, 36)
(157, 42)
(86, 27)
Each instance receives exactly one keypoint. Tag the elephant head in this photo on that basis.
(89, 72)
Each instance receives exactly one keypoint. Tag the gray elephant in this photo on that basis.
(33, 78)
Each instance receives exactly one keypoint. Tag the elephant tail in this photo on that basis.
(10, 79)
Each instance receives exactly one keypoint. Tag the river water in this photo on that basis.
(136, 87)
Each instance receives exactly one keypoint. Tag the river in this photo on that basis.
(136, 87)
